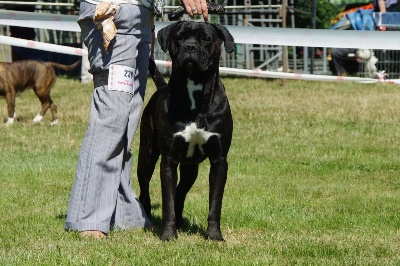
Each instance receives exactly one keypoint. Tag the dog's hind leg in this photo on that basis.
(147, 159)
(53, 109)
(42, 90)
(47, 103)
(188, 175)
(146, 164)
(10, 121)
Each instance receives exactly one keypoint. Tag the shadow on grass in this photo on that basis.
(187, 226)
(61, 216)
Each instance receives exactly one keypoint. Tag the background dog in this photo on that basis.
(17, 76)
(368, 57)
(186, 122)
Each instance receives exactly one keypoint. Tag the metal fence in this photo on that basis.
(265, 13)
(388, 60)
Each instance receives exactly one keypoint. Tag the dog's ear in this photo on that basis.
(163, 36)
(225, 35)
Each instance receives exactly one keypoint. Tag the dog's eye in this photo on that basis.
(178, 38)
(178, 41)
(205, 39)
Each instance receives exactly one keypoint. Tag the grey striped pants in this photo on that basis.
(102, 196)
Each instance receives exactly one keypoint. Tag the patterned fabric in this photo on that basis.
(102, 195)
(158, 7)
(103, 18)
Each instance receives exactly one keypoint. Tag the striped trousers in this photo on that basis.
(102, 196)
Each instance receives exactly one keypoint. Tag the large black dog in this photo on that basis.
(186, 122)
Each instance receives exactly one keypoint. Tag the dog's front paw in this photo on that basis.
(169, 233)
(169, 236)
(214, 233)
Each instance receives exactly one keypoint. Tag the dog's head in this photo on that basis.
(195, 46)
(364, 54)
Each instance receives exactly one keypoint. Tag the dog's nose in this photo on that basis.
(190, 47)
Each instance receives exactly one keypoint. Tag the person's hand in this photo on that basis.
(196, 7)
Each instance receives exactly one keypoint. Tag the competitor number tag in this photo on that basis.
(120, 78)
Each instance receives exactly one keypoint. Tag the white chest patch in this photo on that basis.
(194, 136)
(191, 89)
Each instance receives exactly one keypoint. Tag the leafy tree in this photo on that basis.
(325, 13)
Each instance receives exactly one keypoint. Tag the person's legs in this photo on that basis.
(102, 194)
(127, 203)
(128, 211)
(339, 56)
(98, 172)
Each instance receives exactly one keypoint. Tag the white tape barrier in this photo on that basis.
(42, 46)
(283, 75)
(254, 35)
(39, 20)
(317, 38)
(246, 35)
(232, 71)
(298, 76)
(40, 3)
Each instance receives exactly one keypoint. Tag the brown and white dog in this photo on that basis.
(187, 121)
(17, 76)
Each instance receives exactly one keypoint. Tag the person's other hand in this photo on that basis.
(196, 7)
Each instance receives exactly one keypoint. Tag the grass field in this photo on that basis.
(313, 180)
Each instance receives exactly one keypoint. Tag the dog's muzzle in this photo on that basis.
(190, 57)
(190, 47)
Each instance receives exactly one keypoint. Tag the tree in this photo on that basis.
(325, 13)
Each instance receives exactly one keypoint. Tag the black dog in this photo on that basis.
(186, 122)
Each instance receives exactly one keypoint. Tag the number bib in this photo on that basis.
(120, 78)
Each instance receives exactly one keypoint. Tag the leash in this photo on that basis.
(213, 8)
(156, 76)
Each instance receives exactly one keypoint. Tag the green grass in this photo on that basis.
(313, 180)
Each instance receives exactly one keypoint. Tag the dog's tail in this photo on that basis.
(65, 67)
(156, 75)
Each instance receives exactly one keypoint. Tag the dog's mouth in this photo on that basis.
(191, 62)
(190, 65)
